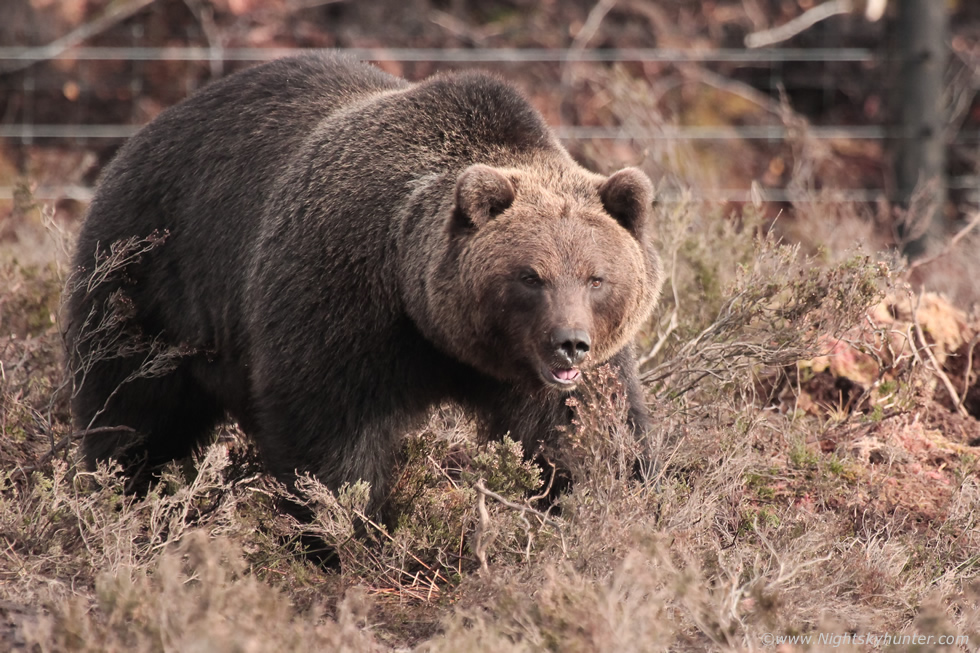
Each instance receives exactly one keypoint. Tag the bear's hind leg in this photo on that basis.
(161, 418)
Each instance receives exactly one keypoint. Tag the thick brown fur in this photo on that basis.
(344, 251)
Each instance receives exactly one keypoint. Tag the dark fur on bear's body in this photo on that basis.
(345, 251)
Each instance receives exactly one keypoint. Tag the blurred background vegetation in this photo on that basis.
(820, 110)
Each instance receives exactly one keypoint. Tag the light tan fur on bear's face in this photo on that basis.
(553, 259)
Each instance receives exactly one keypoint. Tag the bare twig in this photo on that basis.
(662, 340)
(937, 368)
(969, 368)
(545, 518)
(592, 23)
(665, 463)
(702, 75)
(435, 465)
(480, 536)
(589, 29)
(472, 35)
(114, 13)
(377, 527)
(801, 23)
(547, 488)
(296, 5)
(22, 472)
(970, 226)
(672, 324)
(205, 18)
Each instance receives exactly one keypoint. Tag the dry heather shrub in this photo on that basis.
(28, 299)
(78, 524)
(773, 306)
(614, 475)
(32, 411)
(198, 596)
(664, 592)
(108, 332)
(445, 527)
(702, 559)
(561, 609)
(97, 569)
(598, 434)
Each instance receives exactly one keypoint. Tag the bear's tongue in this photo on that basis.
(566, 375)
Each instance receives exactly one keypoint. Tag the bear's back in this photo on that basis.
(224, 146)
(201, 173)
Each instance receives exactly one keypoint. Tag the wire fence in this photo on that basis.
(447, 55)
(27, 132)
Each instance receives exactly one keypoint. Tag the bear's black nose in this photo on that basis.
(571, 345)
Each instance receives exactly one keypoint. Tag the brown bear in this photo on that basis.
(331, 252)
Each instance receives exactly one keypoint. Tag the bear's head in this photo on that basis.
(552, 270)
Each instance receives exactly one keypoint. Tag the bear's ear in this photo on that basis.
(482, 193)
(628, 195)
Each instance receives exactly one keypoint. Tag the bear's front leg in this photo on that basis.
(638, 415)
(540, 419)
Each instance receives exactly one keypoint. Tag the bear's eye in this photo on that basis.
(595, 282)
(531, 279)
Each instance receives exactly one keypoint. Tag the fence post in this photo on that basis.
(920, 157)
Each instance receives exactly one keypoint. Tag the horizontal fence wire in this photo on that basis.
(566, 132)
(84, 194)
(693, 133)
(27, 133)
(445, 55)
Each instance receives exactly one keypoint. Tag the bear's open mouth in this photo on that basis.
(561, 376)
